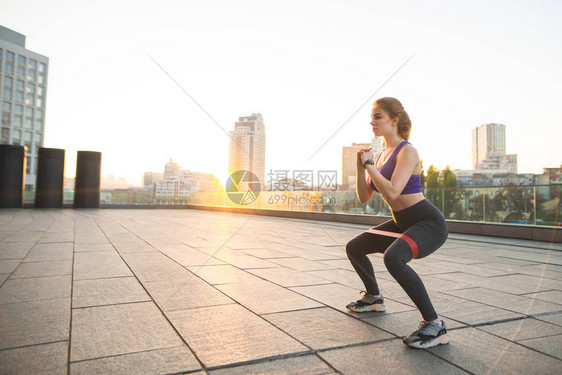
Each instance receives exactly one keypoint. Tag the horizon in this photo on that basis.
(112, 68)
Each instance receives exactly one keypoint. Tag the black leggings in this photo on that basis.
(422, 226)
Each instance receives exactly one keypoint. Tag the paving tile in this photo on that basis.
(553, 296)
(97, 265)
(519, 304)
(119, 329)
(192, 292)
(344, 277)
(62, 236)
(523, 284)
(523, 329)
(35, 289)
(241, 260)
(468, 312)
(50, 252)
(340, 263)
(13, 253)
(160, 361)
(3, 277)
(99, 292)
(24, 246)
(300, 264)
(105, 246)
(287, 277)
(391, 356)
(306, 364)
(37, 359)
(9, 265)
(266, 253)
(401, 323)
(338, 296)
(264, 297)
(146, 258)
(42, 269)
(551, 345)
(189, 257)
(37, 322)
(23, 236)
(160, 271)
(479, 352)
(90, 237)
(323, 328)
(226, 274)
(551, 318)
(227, 334)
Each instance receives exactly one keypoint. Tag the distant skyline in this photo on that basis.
(305, 66)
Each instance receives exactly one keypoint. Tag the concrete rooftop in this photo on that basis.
(188, 291)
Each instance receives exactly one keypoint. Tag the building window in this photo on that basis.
(30, 93)
(6, 113)
(39, 118)
(31, 70)
(8, 85)
(42, 73)
(27, 164)
(21, 66)
(9, 68)
(19, 91)
(5, 136)
(40, 100)
(1, 59)
(16, 137)
(28, 121)
(28, 137)
(18, 116)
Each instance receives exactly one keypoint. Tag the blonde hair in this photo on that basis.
(395, 109)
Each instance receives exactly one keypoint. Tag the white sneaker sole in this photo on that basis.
(375, 308)
(440, 340)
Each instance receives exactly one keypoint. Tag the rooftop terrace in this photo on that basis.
(189, 291)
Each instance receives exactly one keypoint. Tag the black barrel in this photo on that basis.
(12, 175)
(49, 192)
(87, 184)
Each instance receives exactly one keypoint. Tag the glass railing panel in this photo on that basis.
(528, 205)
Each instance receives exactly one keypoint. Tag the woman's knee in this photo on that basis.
(352, 248)
(397, 256)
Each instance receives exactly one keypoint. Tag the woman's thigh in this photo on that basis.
(368, 243)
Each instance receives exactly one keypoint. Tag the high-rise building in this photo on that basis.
(247, 146)
(488, 149)
(23, 92)
(349, 159)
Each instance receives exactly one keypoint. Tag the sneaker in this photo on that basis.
(428, 335)
(367, 303)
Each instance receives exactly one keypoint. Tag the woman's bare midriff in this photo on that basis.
(405, 201)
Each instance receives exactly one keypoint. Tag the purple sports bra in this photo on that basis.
(414, 183)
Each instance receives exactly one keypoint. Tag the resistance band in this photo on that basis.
(413, 245)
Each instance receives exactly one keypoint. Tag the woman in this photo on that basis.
(417, 228)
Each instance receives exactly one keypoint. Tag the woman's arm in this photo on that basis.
(406, 161)
(364, 191)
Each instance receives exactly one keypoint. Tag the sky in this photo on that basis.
(311, 68)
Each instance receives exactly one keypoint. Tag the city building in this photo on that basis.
(550, 176)
(175, 185)
(488, 149)
(23, 93)
(247, 146)
(495, 177)
(150, 178)
(171, 170)
(349, 161)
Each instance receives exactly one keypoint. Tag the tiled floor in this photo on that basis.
(188, 291)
